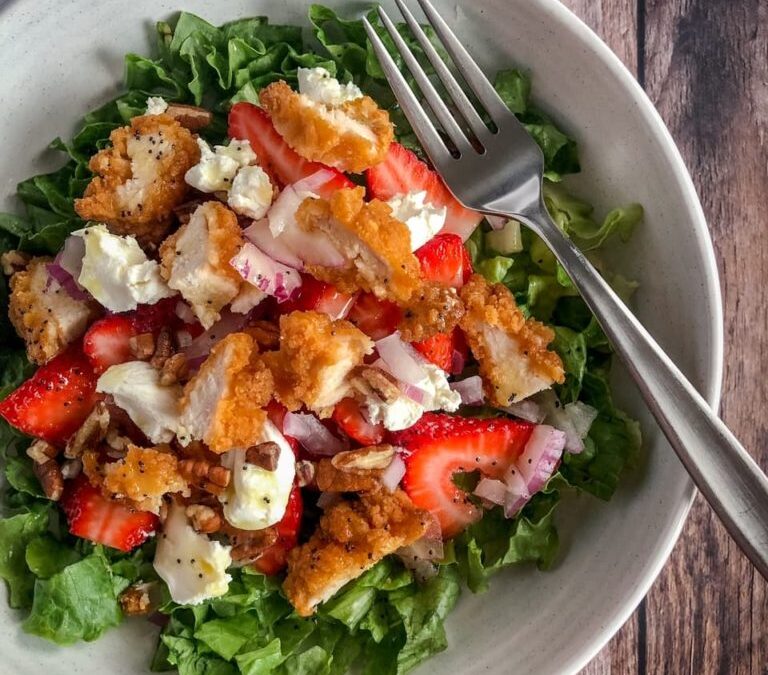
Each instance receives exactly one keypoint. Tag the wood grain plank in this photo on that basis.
(707, 72)
(615, 21)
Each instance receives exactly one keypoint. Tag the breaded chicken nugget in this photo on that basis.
(144, 475)
(223, 403)
(315, 357)
(44, 315)
(194, 260)
(352, 537)
(352, 136)
(376, 245)
(512, 352)
(140, 178)
(434, 308)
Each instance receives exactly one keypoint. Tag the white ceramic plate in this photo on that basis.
(60, 59)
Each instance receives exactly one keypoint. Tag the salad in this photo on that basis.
(266, 383)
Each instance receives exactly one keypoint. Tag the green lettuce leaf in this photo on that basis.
(77, 603)
(16, 533)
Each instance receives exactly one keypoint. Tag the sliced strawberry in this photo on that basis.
(92, 516)
(441, 445)
(319, 296)
(376, 318)
(352, 422)
(402, 172)
(107, 342)
(273, 559)
(251, 123)
(438, 349)
(276, 413)
(445, 259)
(55, 401)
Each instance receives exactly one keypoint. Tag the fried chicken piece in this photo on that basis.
(352, 136)
(315, 357)
(144, 475)
(140, 177)
(512, 352)
(375, 245)
(434, 309)
(331, 479)
(44, 315)
(351, 537)
(194, 260)
(222, 404)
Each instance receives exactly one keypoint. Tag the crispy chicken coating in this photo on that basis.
(44, 315)
(315, 357)
(223, 404)
(194, 260)
(434, 309)
(375, 245)
(140, 177)
(144, 475)
(352, 537)
(512, 352)
(352, 136)
(331, 479)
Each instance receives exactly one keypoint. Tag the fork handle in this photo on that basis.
(722, 469)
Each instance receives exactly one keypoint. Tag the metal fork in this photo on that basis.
(500, 173)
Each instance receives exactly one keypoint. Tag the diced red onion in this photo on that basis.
(496, 222)
(541, 456)
(416, 394)
(315, 182)
(493, 490)
(518, 493)
(393, 474)
(526, 410)
(458, 361)
(66, 281)
(401, 360)
(268, 275)
(201, 346)
(470, 390)
(259, 233)
(70, 258)
(312, 434)
(184, 312)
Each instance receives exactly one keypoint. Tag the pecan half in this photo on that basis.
(90, 433)
(190, 116)
(369, 381)
(330, 479)
(264, 455)
(206, 476)
(371, 458)
(51, 480)
(204, 519)
(248, 545)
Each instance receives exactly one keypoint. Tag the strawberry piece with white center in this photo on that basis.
(402, 172)
(350, 419)
(439, 446)
(55, 401)
(91, 516)
(318, 296)
(108, 341)
(273, 559)
(276, 157)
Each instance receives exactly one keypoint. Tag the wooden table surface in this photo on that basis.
(704, 64)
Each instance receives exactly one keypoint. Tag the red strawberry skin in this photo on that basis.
(55, 401)
(402, 172)
(444, 258)
(440, 445)
(274, 559)
(277, 158)
(319, 296)
(94, 517)
(350, 420)
(437, 349)
(107, 342)
(376, 318)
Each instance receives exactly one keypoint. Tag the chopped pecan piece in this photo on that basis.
(371, 381)
(265, 334)
(90, 433)
(163, 349)
(41, 451)
(264, 455)
(204, 519)
(174, 370)
(371, 458)
(203, 474)
(135, 600)
(51, 480)
(142, 346)
(248, 545)
(192, 117)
